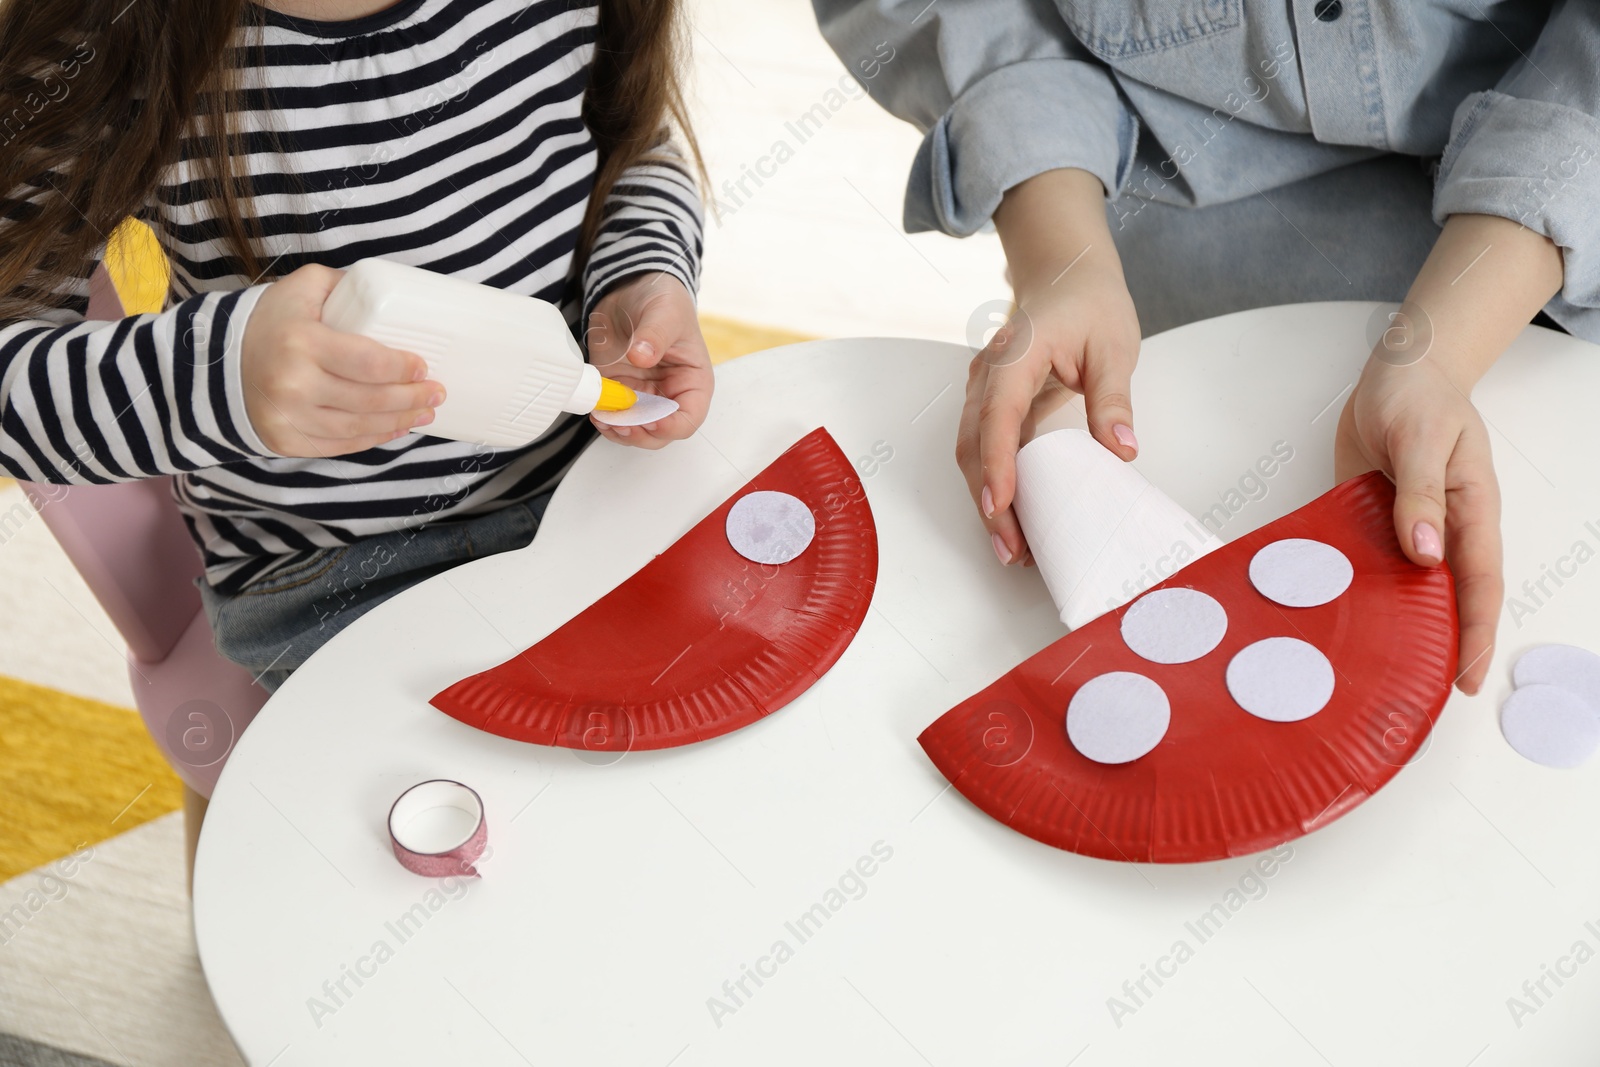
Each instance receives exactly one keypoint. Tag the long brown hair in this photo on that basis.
(96, 96)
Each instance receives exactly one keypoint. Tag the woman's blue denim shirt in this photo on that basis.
(1197, 102)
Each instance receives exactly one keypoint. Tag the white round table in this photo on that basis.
(809, 890)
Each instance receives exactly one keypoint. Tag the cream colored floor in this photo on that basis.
(105, 964)
(108, 970)
(52, 631)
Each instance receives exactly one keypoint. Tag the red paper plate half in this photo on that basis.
(700, 641)
(1222, 782)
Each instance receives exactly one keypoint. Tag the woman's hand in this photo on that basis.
(1411, 417)
(313, 391)
(1414, 424)
(645, 334)
(1074, 329)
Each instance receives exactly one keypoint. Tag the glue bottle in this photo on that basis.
(508, 362)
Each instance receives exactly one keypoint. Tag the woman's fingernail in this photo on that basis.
(622, 431)
(436, 399)
(1000, 548)
(988, 503)
(420, 373)
(1426, 541)
(645, 349)
(1124, 434)
(423, 419)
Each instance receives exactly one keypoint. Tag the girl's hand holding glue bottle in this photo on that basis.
(336, 362)
(313, 391)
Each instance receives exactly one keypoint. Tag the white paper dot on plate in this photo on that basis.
(768, 527)
(647, 408)
(1117, 717)
(1174, 625)
(1570, 667)
(1281, 679)
(1300, 573)
(1550, 725)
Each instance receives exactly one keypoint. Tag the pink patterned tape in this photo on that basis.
(437, 829)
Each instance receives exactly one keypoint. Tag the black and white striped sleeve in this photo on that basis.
(652, 221)
(91, 402)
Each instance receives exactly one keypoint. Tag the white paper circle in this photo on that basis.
(1300, 573)
(768, 527)
(1550, 725)
(1117, 717)
(647, 408)
(1570, 667)
(1174, 625)
(1281, 679)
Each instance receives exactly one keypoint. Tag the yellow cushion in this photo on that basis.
(138, 267)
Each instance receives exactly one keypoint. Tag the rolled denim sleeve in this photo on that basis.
(1529, 150)
(1000, 89)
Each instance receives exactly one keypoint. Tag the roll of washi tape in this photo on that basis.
(437, 828)
(1100, 532)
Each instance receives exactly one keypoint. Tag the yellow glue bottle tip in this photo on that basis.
(614, 396)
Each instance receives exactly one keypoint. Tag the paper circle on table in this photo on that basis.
(647, 408)
(1567, 666)
(1300, 573)
(1174, 625)
(768, 527)
(1117, 717)
(1550, 725)
(1281, 679)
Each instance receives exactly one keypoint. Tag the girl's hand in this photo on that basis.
(1414, 424)
(645, 334)
(1074, 329)
(313, 391)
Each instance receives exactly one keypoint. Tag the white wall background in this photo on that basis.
(818, 247)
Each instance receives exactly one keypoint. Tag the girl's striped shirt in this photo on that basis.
(441, 133)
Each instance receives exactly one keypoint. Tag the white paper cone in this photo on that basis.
(1100, 533)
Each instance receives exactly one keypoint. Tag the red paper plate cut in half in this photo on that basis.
(1222, 782)
(700, 641)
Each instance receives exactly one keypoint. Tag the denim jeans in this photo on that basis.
(272, 626)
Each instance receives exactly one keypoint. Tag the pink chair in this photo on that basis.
(130, 544)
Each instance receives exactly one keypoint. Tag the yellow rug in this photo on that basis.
(726, 338)
(73, 771)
